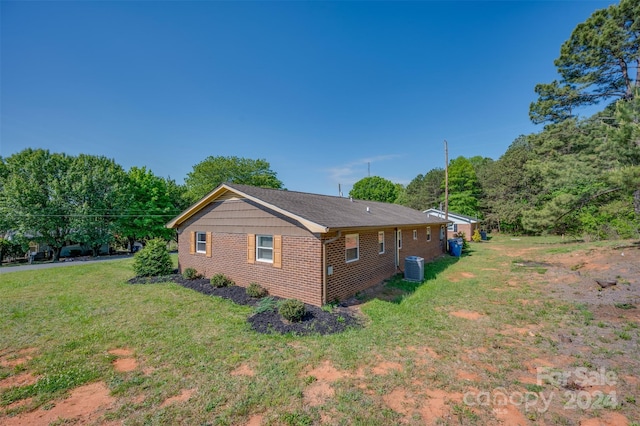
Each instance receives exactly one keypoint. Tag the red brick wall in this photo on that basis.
(372, 268)
(467, 228)
(300, 276)
(428, 250)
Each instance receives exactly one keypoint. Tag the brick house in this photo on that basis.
(315, 248)
(458, 223)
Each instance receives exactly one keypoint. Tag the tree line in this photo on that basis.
(579, 176)
(58, 199)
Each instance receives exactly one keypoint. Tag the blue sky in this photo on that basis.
(318, 89)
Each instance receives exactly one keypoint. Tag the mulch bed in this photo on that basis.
(315, 321)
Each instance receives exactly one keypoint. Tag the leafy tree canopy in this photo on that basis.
(464, 188)
(213, 171)
(599, 62)
(424, 192)
(374, 188)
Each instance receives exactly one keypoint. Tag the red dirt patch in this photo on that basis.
(255, 420)
(467, 375)
(399, 401)
(85, 405)
(436, 405)
(608, 419)
(424, 350)
(123, 365)
(318, 393)
(243, 370)
(470, 315)
(510, 415)
(22, 379)
(125, 362)
(185, 395)
(326, 372)
(385, 367)
(20, 357)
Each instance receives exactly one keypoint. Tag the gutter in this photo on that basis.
(324, 266)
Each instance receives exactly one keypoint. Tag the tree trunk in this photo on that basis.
(636, 202)
(56, 253)
(132, 240)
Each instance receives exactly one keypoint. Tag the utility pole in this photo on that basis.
(369, 169)
(446, 191)
(446, 180)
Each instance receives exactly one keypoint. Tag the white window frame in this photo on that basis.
(415, 234)
(428, 233)
(399, 239)
(452, 227)
(347, 248)
(380, 242)
(260, 248)
(202, 242)
(443, 232)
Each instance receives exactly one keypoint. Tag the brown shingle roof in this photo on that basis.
(330, 212)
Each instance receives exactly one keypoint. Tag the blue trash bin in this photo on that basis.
(455, 249)
(483, 235)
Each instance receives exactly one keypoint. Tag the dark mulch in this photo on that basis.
(315, 321)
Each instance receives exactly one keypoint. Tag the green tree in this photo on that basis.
(464, 188)
(149, 207)
(425, 192)
(598, 62)
(401, 197)
(98, 196)
(213, 171)
(37, 191)
(374, 188)
(509, 187)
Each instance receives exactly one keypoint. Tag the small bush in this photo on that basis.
(476, 237)
(190, 274)
(153, 260)
(256, 290)
(221, 280)
(265, 305)
(292, 310)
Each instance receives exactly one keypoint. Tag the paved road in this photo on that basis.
(37, 266)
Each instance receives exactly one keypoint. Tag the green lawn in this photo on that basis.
(411, 346)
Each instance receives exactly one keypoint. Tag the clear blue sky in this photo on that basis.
(318, 89)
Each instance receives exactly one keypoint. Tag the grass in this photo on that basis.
(73, 316)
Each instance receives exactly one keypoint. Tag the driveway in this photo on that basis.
(38, 266)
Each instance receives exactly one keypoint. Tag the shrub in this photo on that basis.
(292, 309)
(190, 274)
(256, 290)
(221, 280)
(476, 237)
(266, 304)
(153, 260)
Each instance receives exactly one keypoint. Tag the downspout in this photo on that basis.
(324, 265)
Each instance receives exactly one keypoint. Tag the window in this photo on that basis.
(428, 233)
(352, 247)
(415, 234)
(453, 227)
(264, 248)
(399, 239)
(201, 242)
(441, 232)
(380, 242)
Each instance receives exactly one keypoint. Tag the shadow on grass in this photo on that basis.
(395, 289)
